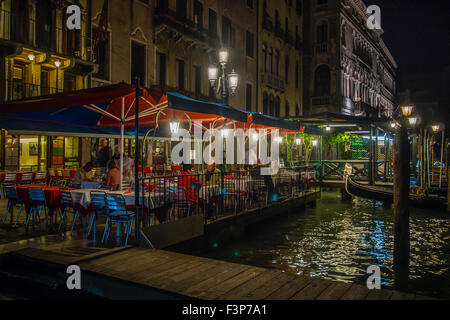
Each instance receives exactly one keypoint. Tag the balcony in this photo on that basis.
(279, 33)
(19, 90)
(288, 38)
(273, 81)
(321, 48)
(61, 41)
(166, 19)
(321, 101)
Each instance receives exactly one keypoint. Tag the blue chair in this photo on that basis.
(38, 204)
(13, 201)
(69, 202)
(119, 214)
(98, 201)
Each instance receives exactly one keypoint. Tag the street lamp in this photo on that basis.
(174, 127)
(412, 121)
(314, 143)
(298, 141)
(223, 83)
(407, 110)
(435, 128)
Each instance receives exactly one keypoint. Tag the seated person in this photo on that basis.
(191, 182)
(86, 173)
(113, 176)
(212, 174)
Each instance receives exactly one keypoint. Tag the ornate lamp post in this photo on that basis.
(223, 83)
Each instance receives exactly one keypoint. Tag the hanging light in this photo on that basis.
(57, 63)
(407, 110)
(192, 154)
(279, 139)
(174, 127)
(412, 121)
(213, 73)
(298, 141)
(328, 128)
(436, 128)
(225, 132)
(314, 143)
(31, 56)
(223, 56)
(393, 125)
(255, 136)
(233, 81)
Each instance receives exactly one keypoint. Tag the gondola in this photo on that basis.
(386, 195)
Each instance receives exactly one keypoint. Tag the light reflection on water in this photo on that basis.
(339, 240)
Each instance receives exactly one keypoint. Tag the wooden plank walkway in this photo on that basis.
(200, 278)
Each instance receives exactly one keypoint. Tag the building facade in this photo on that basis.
(280, 58)
(347, 67)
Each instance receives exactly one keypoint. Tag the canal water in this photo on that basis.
(340, 240)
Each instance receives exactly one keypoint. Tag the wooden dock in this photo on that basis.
(137, 273)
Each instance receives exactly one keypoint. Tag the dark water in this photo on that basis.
(339, 240)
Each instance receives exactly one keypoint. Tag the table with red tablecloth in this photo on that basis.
(52, 196)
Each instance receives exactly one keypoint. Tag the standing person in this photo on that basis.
(113, 176)
(104, 155)
(116, 156)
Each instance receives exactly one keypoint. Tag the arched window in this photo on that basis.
(322, 81)
(270, 68)
(277, 107)
(287, 111)
(265, 57)
(265, 103)
(322, 32)
(277, 62)
(271, 105)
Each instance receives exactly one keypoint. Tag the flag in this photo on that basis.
(102, 31)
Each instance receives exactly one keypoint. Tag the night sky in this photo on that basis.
(417, 32)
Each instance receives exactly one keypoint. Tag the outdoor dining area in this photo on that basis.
(95, 199)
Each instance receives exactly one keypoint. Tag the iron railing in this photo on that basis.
(221, 194)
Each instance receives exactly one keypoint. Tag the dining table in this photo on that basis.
(52, 196)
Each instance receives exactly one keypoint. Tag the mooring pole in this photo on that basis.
(401, 207)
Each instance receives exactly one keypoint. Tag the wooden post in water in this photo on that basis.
(401, 207)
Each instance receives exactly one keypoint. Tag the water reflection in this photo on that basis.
(338, 240)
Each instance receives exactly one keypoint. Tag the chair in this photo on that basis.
(53, 177)
(119, 214)
(231, 192)
(181, 203)
(27, 178)
(40, 177)
(38, 203)
(9, 180)
(13, 201)
(98, 202)
(69, 202)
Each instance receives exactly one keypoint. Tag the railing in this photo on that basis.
(185, 26)
(334, 170)
(273, 81)
(321, 48)
(220, 194)
(20, 90)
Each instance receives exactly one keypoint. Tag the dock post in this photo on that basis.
(401, 207)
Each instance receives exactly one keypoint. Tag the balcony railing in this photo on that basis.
(20, 90)
(185, 26)
(321, 101)
(321, 48)
(273, 81)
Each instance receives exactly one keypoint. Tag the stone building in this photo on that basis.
(279, 58)
(347, 68)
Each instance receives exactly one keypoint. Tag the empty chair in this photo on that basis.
(38, 204)
(27, 178)
(118, 214)
(98, 202)
(9, 180)
(69, 202)
(13, 201)
(40, 178)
